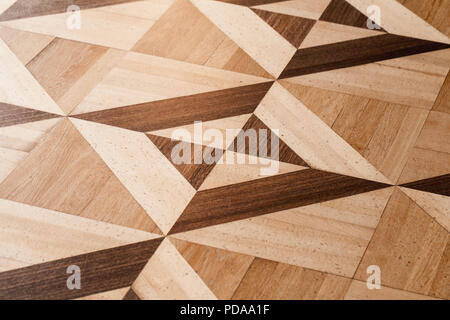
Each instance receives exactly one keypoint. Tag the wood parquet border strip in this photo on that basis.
(356, 52)
(100, 271)
(266, 195)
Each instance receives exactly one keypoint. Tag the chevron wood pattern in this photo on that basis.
(224, 149)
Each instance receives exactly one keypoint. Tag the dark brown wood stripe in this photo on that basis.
(356, 52)
(286, 154)
(33, 8)
(194, 173)
(11, 115)
(183, 110)
(439, 185)
(267, 195)
(250, 3)
(342, 12)
(100, 271)
(293, 29)
(131, 295)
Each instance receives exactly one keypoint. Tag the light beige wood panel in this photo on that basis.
(116, 294)
(435, 134)
(140, 78)
(311, 9)
(423, 164)
(358, 291)
(61, 64)
(326, 33)
(273, 280)
(18, 140)
(411, 249)
(399, 20)
(235, 168)
(249, 32)
(310, 138)
(232, 125)
(18, 87)
(31, 235)
(221, 270)
(168, 276)
(97, 27)
(149, 176)
(414, 81)
(65, 174)
(329, 237)
(25, 45)
(146, 9)
(435, 205)
(435, 12)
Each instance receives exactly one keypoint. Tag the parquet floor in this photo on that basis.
(88, 178)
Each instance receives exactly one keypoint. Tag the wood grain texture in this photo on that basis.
(397, 19)
(131, 295)
(12, 115)
(194, 173)
(184, 33)
(120, 266)
(167, 275)
(414, 80)
(439, 185)
(273, 280)
(262, 196)
(294, 29)
(221, 270)
(330, 236)
(411, 249)
(242, 144)
(341, 12)
(442, 102)
(356, 52)
(435, 12)
(61, 65)
(31, 8)
(75, 181)
(311, 9)
(25, 45)
(173, 112)
(358, 291)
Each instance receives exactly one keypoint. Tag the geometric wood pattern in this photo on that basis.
(350, 165)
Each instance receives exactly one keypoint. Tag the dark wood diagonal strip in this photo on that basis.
(100, 271)
(356, 52)
(11, 115)
(293, 29)
(33, 8)
(250, 3)
(194, 173)
(439, 185)
(342, 12)
(272, 194)
(180, 111)
(286, 154)
(131, 295)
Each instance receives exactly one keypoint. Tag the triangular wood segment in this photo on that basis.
(294, 29)
(84, 185)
